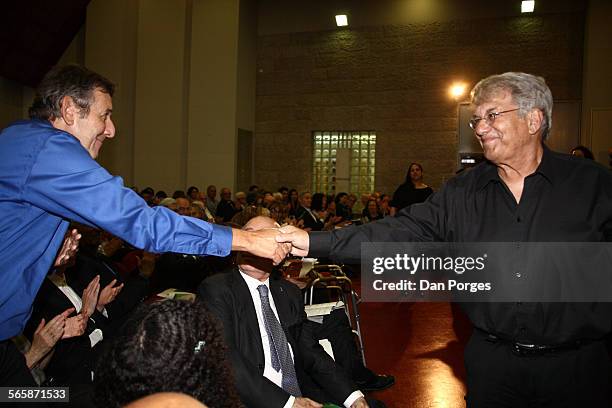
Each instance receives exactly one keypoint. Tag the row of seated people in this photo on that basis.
(81, 309)
(310, 211)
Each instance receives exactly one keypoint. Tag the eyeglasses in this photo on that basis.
(489, 118)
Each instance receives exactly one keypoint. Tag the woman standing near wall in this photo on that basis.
(412, 191)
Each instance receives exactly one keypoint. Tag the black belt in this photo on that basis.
(527, 349)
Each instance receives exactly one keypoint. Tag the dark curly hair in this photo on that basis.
(70, 80)
(157, 351)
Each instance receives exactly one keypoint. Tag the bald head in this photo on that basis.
(259, 223)
(166, 400)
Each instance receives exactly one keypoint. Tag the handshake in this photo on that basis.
(273, 243)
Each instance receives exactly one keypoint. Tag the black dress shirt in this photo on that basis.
(567, 199)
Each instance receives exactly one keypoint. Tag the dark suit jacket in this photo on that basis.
(227, 296)
(309, 220)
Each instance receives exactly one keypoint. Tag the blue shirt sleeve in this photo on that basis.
(67, 182)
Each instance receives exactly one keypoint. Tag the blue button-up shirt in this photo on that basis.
(48, 178)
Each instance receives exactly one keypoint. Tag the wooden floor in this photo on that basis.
(421, 344)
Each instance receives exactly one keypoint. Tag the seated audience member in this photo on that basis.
(131, 288)
(148, 194)
(268, 199)
(279, 212)
(225, 208)
(311, 221)
(36, 353)
(171, 346)
(363, 201)
(183, 206)
(169, 203)
(166, 400)
(371, 212)
(193, 193)
(159, 196)
(211, 199)
(251, 210)
(205, 212)
(342, 208)
(239, 201)
(294, 201)
(385, 205)
(277, 361)
(179, 194)
(73, 358)
(196, 211)
(284, 194)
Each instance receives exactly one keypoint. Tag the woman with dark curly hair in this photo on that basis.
(172, 346)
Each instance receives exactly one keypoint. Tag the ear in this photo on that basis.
(69, 110)
(535, 120)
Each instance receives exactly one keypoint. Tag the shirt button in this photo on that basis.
(522, 329)
(518, 219)
(519, 304)
(518, 274)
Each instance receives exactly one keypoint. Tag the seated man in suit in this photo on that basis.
(304, 212)
(275, 357)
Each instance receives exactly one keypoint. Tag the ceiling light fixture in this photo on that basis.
(341, 20)
(527, 6)
(457, 90)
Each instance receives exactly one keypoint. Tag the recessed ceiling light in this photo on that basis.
(527, 6)
(341, 20)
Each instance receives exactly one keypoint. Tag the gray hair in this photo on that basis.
(528, 92)
(167, 201)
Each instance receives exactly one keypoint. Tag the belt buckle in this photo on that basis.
(522, 349)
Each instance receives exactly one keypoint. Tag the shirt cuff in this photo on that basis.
(352, 398)
(320, 244)
(289, 402)
(95, 337)
(221, 240)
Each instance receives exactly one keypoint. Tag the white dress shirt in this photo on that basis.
(270, 373)
(95, 336)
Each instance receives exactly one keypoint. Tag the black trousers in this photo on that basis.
(498, 378)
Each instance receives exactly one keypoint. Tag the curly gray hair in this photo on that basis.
(528, 92)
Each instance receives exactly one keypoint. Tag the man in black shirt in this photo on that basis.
(521, 354)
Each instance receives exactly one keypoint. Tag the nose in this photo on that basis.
(109, 130)
(482, 127)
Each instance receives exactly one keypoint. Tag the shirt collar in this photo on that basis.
(253, 283)
(545, 168)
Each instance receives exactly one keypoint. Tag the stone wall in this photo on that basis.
(394, 80)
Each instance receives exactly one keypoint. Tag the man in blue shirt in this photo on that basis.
(48, 176)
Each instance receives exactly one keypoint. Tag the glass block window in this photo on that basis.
(362, 147)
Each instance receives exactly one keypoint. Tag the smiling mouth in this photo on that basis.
(489, 139)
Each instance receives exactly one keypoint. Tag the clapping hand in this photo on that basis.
(108, 294)
(69, 248)
(46, 336)
(75, 326)
(90, 297)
